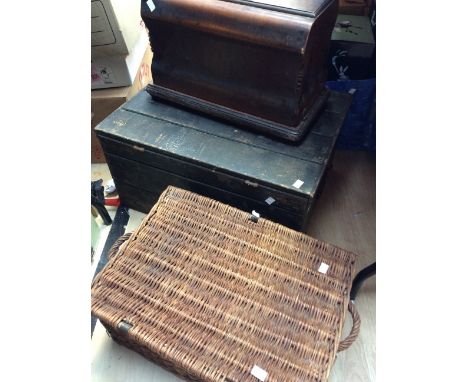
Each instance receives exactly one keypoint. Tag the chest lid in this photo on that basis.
(356, 29)
(309, 8)
(281, 24)
(193, 138)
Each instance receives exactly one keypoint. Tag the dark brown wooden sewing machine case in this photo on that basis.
(258, 63)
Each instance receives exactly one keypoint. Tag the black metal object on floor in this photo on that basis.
(98, 199)
(362, 276)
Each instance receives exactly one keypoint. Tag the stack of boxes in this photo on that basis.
(352, 49)
(351, 67)
(120, 60)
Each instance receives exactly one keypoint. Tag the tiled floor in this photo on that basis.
(343, 216)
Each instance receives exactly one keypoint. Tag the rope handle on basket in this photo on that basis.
(353, 334)
(115, 247)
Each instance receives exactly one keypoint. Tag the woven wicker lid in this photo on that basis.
(202, 289)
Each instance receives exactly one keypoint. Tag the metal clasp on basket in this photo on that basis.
(254, 216)
(124, 326)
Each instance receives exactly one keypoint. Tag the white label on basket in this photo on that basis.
(259, 373)
(255, 213)
(298, 183)
(352, 91)
(323, 268)
(269, 200)
(151, 5)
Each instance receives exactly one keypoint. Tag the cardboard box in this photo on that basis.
(352, 49)
(354, 7)
(115, 27)
(104, 102)
(118, 71)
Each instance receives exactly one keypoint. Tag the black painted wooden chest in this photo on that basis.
(151, 144)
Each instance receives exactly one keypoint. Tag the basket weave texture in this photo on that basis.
(207, 292)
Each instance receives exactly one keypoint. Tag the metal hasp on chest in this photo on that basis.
(260, 64)
(150, 145)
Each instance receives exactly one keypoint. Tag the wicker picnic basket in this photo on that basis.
(216, 294)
